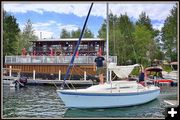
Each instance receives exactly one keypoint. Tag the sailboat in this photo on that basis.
(112, 93)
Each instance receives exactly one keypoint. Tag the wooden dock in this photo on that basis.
(171, 102)
(59, 82)
(52, 82)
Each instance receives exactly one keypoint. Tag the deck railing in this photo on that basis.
(54, 59)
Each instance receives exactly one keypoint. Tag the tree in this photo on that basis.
(169, 35)
(76, 34)
(28, 35)
(143, 39)
(10, 34)
(88, 33)
(120, 37)
(64, 34)
(102, 30)
(145, 21)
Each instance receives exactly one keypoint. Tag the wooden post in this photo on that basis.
(84, 75)
(59, 74)
(34, 74)
(10, 70)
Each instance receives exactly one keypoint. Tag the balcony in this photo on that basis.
(53, 59)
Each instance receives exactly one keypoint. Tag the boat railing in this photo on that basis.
(54, 59)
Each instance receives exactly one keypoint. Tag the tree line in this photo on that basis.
(138, 42)
(132, 42)
(76, 33)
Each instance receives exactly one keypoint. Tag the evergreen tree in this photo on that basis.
(64, 34)
(76, 34)
(169, 35)
(144, 43)
(145, 21)
(10, 34)
(88, 33)
(28, 35)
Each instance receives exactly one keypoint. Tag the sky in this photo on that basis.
(49, 18)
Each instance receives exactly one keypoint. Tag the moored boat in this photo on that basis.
(108, 95)
(111, 93)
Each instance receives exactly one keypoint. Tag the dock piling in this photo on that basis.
(10, 70)
(84, 75)
(59, 74)
(34, 74)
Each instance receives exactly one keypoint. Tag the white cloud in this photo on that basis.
(68, 27)
(51, 28)
(156, 10)
(44, 24)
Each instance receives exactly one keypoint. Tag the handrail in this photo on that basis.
(53, 59)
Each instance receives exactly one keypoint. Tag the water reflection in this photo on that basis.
(126, 112)
(43, 102)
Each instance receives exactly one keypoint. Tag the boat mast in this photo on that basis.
(107, 42)
(76, 49)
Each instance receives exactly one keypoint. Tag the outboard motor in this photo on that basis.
(23, 80)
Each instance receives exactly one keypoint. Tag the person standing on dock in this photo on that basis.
(99, 67)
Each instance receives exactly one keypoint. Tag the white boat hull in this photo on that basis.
(106, 100)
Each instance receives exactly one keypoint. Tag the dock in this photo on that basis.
(58, 82)
(51, 82)
(171, 102)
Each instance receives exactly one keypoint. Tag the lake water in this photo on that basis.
(43, 102)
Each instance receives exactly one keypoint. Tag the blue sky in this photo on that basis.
(51, 17)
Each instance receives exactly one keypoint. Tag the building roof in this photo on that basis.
(69, 39)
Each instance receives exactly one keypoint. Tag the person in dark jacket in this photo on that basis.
(99, 65)
(141, 75)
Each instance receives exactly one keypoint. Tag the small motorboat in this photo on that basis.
(154, 76)
(21, 82)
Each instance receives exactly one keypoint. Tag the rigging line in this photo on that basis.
(70, 77)
(83, 70)
(77, 45)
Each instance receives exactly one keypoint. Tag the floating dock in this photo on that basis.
(171, 102)
(51, 82)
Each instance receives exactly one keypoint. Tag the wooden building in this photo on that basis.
(49, 57)
(88, 46)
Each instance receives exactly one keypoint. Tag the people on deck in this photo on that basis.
(99, 66)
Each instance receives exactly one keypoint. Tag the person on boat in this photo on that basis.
(99, 66)
(141, 75)
(160, 75)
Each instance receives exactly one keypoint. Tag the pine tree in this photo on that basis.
(28, 35)
(64, 34)
(10, 34)
(169, 35)
(76, 34)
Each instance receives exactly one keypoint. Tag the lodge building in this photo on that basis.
(48, 57)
